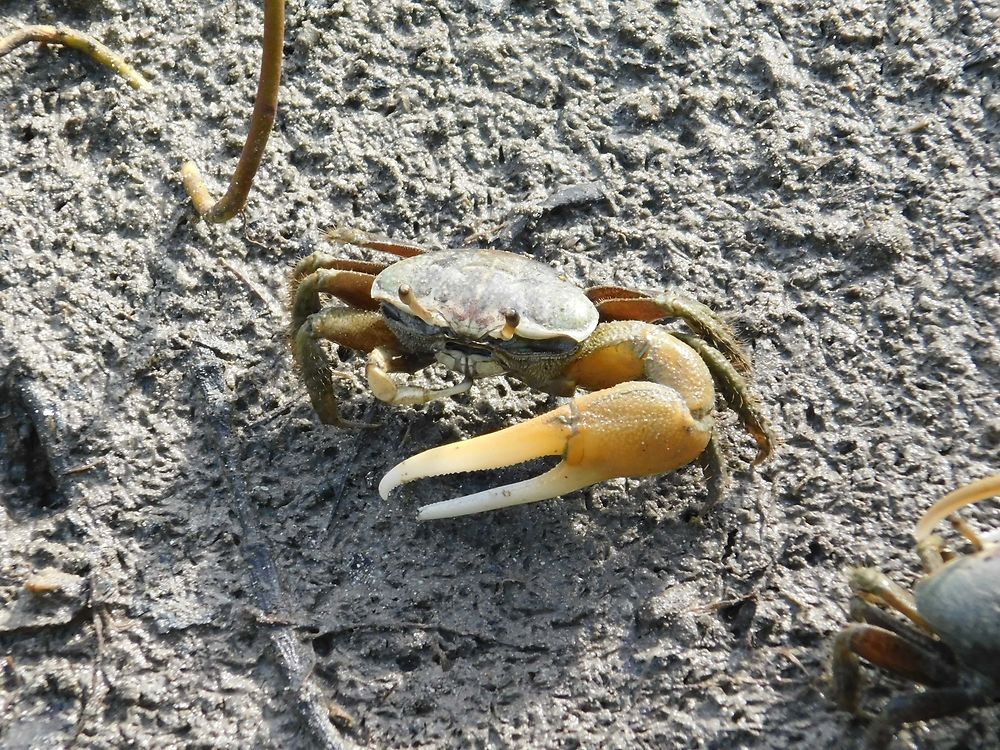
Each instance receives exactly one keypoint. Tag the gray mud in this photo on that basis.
(823, 173)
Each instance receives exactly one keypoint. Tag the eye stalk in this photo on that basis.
(511, 321)
(408, 298)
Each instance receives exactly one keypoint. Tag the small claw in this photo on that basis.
(630, 430)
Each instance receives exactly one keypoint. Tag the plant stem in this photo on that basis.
(261, 122)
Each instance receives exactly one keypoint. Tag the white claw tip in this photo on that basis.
(392, 479)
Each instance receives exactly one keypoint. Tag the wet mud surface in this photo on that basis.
(824, 174)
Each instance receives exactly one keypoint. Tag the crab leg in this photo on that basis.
(874, 586)
(737, 394)
(351, 286)
(633, 429)
(953, 501)
(358, 238)
(355, 329)
(615, 303)
(916, 660)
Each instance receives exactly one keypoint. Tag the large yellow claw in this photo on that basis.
(630, 430)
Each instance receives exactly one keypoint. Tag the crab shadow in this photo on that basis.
(476, 626)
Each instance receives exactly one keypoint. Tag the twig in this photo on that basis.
(79, 41)
(264, 110)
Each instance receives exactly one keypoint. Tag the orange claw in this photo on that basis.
(633, 429)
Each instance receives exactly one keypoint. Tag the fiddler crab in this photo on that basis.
(951, 643)
(482, 313)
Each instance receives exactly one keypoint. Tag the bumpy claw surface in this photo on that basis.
(630, 430)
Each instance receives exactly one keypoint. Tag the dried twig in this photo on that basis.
(79, 41)
(261, 121)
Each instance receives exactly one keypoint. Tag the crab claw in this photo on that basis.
(633, 429)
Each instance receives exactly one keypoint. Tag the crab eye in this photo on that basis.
(408, 298)
(511, 321)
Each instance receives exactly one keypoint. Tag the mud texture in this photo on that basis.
(825, 173)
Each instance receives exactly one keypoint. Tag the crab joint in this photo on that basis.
(633, 429)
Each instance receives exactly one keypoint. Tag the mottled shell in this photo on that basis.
(468, 292)
(961, 602)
